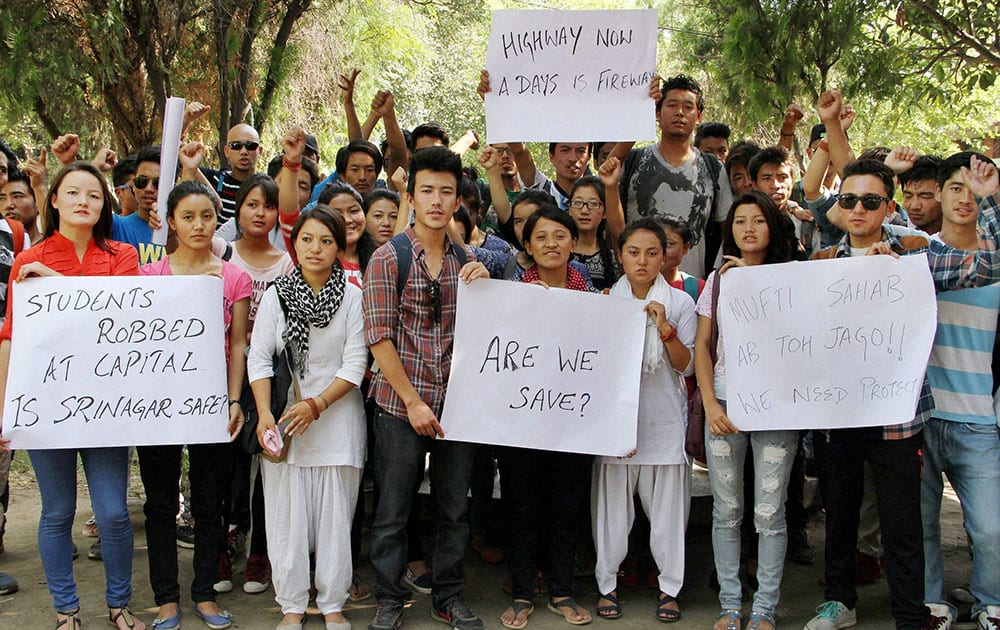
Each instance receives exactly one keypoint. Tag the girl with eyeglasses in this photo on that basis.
(593, 249)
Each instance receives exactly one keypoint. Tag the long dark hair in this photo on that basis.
(102, 229)
(268, 187)
(781, 244)
(329, 217)
(604, 245)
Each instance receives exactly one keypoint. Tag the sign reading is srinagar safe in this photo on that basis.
(116, 361)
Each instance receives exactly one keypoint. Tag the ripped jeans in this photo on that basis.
(773, 452)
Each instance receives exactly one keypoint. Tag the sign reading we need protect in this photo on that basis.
(571, 76)
(826, 344)
(551, 369)
(116, 361)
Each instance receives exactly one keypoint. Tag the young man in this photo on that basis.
(357, 164)
(569, 161)
(772, 171)
(736, 166)
(121, 176)
(960, 439)
(409, 327)
(673, 177)
(713, 138)
(134, 229)
(17, 203)
(242, 150)
(865, 202)
(921, 194)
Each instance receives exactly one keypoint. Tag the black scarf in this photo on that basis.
(304, 308)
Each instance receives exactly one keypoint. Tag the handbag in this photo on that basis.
(694, 440)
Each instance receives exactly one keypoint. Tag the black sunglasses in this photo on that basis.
(238, 146)
(870, 202)
(141, 181)
(434, 299)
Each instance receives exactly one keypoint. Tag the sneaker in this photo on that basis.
(94, 553)
(989, 619)
(388, 616)
(940, 618)
(458, 615)
(76, 551)
(799, 549)
(185, 535)
(225, 583)
(831, 616)
(90, 528)
(420, 583)
(8, 584)
(258, 574)
(867, 568)
(961, 595)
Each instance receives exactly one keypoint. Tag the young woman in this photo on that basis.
(593, 249)
(78, 213)
(381, 211)
(657, 470)
(192, 208)
(359, 244)
(311, 495)
(755, 233)
(544, 490)
(678, 245)
(253, 252)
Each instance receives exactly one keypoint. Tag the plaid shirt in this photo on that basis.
(423, 344)
(951, 268)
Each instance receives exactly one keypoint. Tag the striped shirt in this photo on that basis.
(226, 186)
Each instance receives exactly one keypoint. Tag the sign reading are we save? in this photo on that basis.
(571, 76)
(826, 344)
(116, 361)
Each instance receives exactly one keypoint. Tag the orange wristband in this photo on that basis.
(313, 407)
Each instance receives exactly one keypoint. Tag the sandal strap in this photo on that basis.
(611, 597)
(519, 606)
(71, 616)
(122, 612)
(732, 618)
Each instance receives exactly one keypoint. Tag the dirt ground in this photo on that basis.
(31, 607)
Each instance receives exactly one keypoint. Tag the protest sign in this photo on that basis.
(550, 70)
(541, 368)
(170, 141)
(116, 361)
(826, 344)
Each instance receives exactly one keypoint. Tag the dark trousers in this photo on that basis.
(160, 467)
(399, 464)
(895, 466)
(543, 494)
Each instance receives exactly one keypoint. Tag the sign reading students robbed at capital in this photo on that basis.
(550, 70)
(549, 369)
(826, 344)
(116, 361)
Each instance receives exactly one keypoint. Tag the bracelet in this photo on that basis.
(290, 165)
(787, 135)
(233, 401)
(313, 407)
(667, 337)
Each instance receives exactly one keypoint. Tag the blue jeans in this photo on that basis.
(107, 479)
(399, 466)
(773, 453)
(970, 455)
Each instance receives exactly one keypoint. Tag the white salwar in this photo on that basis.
(658, 472)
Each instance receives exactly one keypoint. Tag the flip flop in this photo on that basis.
(519, 607)
(569, 602)
(613, 611)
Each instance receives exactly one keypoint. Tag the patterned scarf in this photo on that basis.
(574, 279)
(304, 308)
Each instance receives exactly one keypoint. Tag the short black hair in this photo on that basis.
(650, 224)
(925, 168)
(740, 154)
(148, 154)
(11, 156)
(875, 153)
(462, 216)
(681, 82)
(956, 161)
(711, 130)
(436, 159)
(16, 175)
(552, 213)
(358, 146)
(274, 167)
(676, 224)
(339, 187)
(380, 193)
(772, 156)
(429, 130)
(875, 168)
(552, 147)
(126, 166)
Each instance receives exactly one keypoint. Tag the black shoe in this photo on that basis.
(76, 552)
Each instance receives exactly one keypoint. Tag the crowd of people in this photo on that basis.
(339, 306)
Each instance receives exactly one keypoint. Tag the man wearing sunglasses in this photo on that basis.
(135, 228)
(865, 202)
(242, 151)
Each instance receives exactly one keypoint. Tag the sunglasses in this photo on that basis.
(238, 146)
(141, 181)
(870, 202)
(434, 299)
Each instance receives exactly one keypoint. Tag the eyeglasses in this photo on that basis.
(503, 150)
(580, 204)
(238, 146)
(141, 181)
(434, 299)
(870, 202)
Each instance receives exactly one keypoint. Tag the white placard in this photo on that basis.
(170, 148)
(571, 76)
(116, 361)
(541, 368)
(827, 344)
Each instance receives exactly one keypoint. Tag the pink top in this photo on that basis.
(236, 285)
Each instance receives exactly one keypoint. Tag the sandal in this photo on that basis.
(359, 590)
(731, 618)
(71, 616)
(125, 614)
(569, 602)
(612, 611)
(519, 606)
(664, 614)
(761, 621)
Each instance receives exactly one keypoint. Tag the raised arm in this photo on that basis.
(346, 83)
(469, 140)
(834, 115)
(489, 159)
(384, 104)
(66, 148)
(786, 137)
(610, 174)
(192, 112)
(293, 145)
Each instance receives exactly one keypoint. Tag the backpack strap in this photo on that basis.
(404, 258)
(691, 286)
(714, 167)
(17, 235)
(228, 254)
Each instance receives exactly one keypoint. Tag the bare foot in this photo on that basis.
(576, 615)
(519, 618)
(122, 618)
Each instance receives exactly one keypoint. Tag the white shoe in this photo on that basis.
(941, 617)
(831, 616)
(989, 619)
(223, 586)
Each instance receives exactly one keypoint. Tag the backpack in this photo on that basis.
(404, 255)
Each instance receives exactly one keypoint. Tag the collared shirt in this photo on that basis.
(951, 268)
(423, 343)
